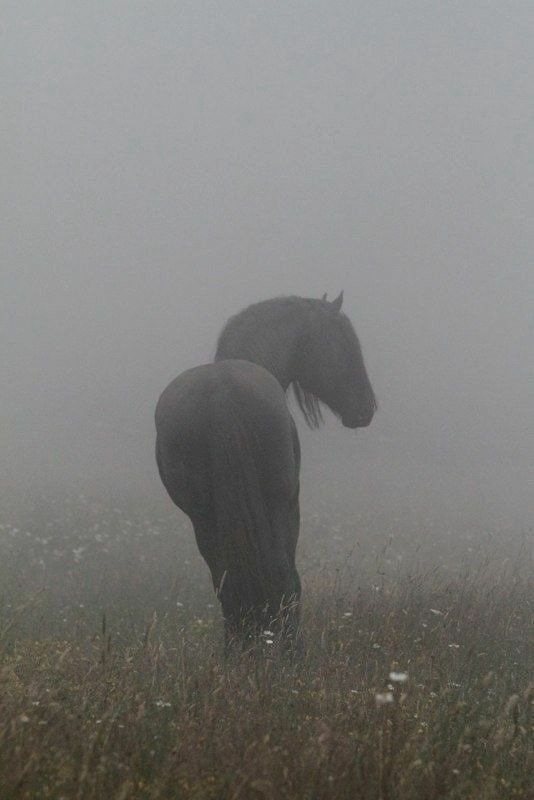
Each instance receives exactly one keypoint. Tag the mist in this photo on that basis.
(165, 165)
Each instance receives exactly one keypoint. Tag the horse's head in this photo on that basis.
(331, 368)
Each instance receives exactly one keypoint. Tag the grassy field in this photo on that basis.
(414, 680)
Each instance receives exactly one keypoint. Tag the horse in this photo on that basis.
(228, 451)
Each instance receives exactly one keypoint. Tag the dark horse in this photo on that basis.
(228, 450)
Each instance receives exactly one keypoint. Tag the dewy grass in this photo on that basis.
(409, 683)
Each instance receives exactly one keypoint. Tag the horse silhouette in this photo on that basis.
(228, 451)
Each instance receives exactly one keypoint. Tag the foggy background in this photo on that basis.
(165, 164)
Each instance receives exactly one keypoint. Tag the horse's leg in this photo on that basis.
(188, 485)
(295, 508)
(294, 523)
(279, 476)
(189, 490)
(286, 524)
(205, 530)
(236, 628)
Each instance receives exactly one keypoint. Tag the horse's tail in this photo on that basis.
(256, 577)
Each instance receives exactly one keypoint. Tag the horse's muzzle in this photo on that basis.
(356, 420)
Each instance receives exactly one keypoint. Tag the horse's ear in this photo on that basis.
(323, 298)
(337, 303)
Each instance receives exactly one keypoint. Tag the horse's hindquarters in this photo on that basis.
(228, 456)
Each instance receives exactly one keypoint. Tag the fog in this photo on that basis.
(166, 164)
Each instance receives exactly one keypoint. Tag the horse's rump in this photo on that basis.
(225, 454)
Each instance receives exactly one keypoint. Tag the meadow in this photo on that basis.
(413, 681)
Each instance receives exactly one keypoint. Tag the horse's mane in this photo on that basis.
(262, 313)
(309, 404)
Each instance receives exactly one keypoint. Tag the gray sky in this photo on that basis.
(165, 164)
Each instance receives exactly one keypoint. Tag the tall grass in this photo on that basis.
(413, 680)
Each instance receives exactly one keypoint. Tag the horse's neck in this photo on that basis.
(276, 360)
(273, 348)
(278, 364)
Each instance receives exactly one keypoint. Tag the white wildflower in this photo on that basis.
(77, 552)
(382, 698)
(398, 677)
